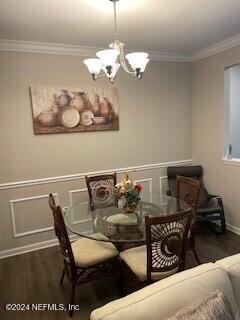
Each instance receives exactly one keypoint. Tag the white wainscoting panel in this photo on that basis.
(84, 203)
(149, 182)
(12, 211)
(163, 186)
(72, 192)
(19, 212)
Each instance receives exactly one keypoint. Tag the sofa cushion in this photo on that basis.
(214, 307)
(232, 266)
(164, 298)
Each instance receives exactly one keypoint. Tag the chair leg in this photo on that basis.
(223, 222)
(222, 215)
(72, 300)
(62, 277)
(196, 256)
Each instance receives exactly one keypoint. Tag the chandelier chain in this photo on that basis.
(115, 19)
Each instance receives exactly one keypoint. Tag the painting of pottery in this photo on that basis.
(59, 110)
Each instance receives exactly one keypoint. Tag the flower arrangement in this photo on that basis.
(129, 192)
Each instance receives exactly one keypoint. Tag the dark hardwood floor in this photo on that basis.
(34, 278)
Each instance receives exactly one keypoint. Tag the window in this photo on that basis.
(232, 116)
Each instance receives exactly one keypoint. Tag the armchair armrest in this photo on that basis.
(217, 198)
(210, 196)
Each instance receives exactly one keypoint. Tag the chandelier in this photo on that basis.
(108, 61)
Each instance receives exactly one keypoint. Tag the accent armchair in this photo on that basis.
(210, 207)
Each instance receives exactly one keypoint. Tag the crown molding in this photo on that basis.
(216, 48)
(82, 51)
(46, 47)
(169, 56)
(75, 50)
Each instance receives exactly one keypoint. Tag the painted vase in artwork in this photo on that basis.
(64, 98)
(77, 101)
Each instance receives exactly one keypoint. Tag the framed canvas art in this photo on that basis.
(66, 109)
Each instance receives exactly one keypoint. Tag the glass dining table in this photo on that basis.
(112, 224)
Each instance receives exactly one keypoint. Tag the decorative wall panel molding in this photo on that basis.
(72, 192)
(71, 203)
(12, 211)
(149, 181)
(162, 180)
(77, 176)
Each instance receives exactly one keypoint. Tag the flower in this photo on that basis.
(138, 187)
(119, 185)
(128, 182)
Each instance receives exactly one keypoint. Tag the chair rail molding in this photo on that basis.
(12, 211)
(77, 176)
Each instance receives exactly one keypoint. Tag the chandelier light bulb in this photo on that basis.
(108, 57)
(138, 60)
(93, 65)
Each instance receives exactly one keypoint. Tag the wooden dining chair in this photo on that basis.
(162, 255)
(188, 190)
(85, 259)
(101, 190)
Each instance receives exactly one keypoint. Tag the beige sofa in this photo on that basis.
(165, 297)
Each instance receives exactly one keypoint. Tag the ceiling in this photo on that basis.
(181, 26)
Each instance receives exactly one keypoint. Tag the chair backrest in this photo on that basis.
(61, 233)
(188, 190)
(166, 241)
(51, 202)
(195, 172)
(101, 190)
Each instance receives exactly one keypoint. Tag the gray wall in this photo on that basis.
(155, 127)
(208, 123)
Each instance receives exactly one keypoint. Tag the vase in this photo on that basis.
(129, 208)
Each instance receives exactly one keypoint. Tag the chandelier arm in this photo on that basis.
(101, 75)
(124, 63)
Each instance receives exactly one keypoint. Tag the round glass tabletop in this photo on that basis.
(113, 224)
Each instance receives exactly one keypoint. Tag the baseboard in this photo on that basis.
(32, 247)
(233, 229)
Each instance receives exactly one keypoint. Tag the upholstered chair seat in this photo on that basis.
(88, 252)
(136, 260)
(162, 255)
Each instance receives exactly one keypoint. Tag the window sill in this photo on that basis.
(233, 161)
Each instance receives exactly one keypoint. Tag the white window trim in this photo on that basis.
(232, 161)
